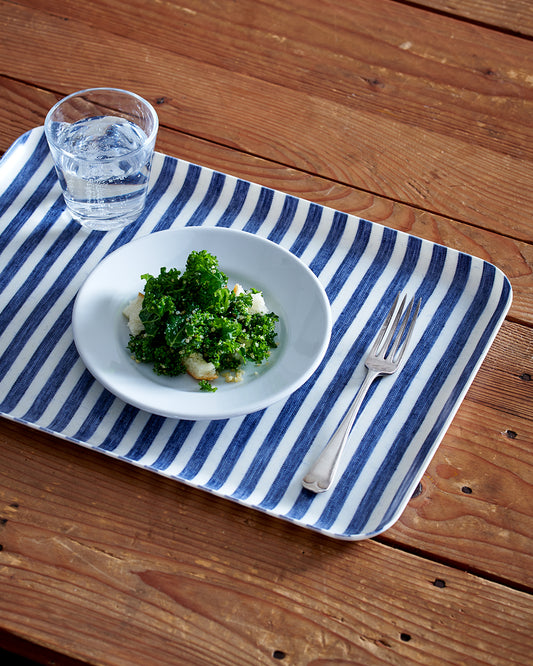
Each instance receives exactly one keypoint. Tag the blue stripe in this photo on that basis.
(327, 249)
(72, 402)
(95, 416)
(208, 202)
(283, 223)
(262, 208)
(234, 450)
(53, 384)
(181, 199)
(159, 189)
(308, 230)
(173, 445)
(203, 449)
(119, 428)
(236, 204)
(31, 165)
(35, 237)
(146, 437)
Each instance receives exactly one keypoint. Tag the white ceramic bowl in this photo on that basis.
(290, 289)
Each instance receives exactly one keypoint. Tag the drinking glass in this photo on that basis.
(102, 141)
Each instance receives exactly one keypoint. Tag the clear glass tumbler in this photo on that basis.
(102, 141)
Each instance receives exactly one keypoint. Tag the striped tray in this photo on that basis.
(259, 459)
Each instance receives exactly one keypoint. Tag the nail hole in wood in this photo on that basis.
(525, 376)
(438, 582)
(278, 654)
(405, 637)
(375, 83)
(466, 490)
(511, 434)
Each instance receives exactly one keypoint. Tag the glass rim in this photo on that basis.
(149, 137)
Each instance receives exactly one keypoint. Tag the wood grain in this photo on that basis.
(92, 569)
(416, 115)
(478, 490)
(348, 98)
(514, 258)
(515, 15)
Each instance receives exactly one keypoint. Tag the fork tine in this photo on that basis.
(410, 330)
(391, 330)
(384, 327)
(398, 339)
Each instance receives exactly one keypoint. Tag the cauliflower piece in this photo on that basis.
(131, 312)
(258, 302)
(199, 368)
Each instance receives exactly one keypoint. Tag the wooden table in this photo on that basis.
(415, 115)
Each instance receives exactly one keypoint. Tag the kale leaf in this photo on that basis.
(195, 312)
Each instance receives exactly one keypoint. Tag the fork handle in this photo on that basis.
(321, 475)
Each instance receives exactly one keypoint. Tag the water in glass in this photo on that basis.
(103, 164)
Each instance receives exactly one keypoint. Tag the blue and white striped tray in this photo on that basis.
(259, 459)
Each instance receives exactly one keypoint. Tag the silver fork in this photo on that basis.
(383, 359)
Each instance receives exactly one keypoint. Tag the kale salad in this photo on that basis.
(192, 322)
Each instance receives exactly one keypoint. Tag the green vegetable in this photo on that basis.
(195, 312)
(206, 386)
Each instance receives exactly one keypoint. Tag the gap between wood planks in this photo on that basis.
(454, 564)
(466, 19)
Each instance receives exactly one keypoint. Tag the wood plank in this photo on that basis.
(475, 506)
(391, 117)
(515, 15)
(25, 107)
(168, 575)
(475, 499)
(505, 384)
